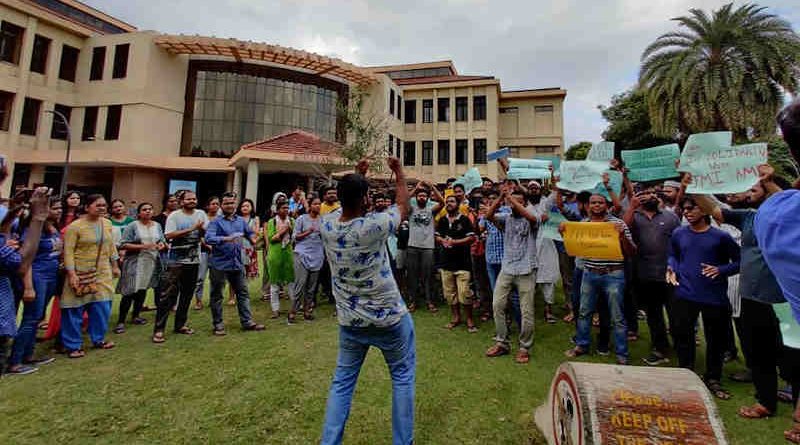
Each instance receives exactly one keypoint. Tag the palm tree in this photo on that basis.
(729, 71)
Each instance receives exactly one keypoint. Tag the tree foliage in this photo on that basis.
(781, 159)
(727, 70)
(366, 132)
(629, 122)
(578, 152)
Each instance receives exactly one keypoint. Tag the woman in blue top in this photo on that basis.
(42, 281)
(14, 260)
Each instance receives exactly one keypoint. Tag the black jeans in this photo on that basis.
(238, 283)
(137, 300)
(790, 370)
(5, 350)
(631, 307)
(655, 295)
(178, 283)
(684, 319)
(759, 323)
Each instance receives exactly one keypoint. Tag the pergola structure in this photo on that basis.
(262, 52)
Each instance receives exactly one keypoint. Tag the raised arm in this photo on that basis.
(401, 189)
(709, 206)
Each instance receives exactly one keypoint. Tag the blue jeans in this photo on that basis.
(493, 270)
(72, 318)
(593, 287)
(44, 284)
(398, 346)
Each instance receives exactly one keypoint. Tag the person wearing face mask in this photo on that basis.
(651, 228)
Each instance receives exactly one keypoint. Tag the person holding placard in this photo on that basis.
(701, 259)
(604, 277)
(652, 230)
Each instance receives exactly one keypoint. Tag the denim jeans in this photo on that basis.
(398, 347)
(202, 272)
(419, 263)
(493, 270)
(238, 284)
(45, 285)
(593, 286)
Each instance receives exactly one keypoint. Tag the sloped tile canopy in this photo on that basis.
(295, 150)
(253, 51)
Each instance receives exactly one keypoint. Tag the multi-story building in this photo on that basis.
(148, 111)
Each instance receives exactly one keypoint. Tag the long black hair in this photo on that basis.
(64, 207)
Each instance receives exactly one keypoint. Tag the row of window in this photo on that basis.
(32, 111)
(443, 110)
(11, 38)
(443, 152)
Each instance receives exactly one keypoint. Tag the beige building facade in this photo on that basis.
(149, 110)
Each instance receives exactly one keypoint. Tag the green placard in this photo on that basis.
(651, 164)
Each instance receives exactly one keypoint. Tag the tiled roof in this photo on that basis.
(295, 142)
(440, 79)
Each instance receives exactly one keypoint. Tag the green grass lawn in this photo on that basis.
(271, 388)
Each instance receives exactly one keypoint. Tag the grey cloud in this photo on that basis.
(589, 47)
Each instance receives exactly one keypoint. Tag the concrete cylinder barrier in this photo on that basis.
(594, 404)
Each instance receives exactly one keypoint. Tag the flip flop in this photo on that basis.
(472, 329)
(452, 325)
(158, 337)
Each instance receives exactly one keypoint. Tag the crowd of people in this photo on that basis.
(381, 254)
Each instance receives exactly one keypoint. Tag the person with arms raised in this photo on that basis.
(370, 309)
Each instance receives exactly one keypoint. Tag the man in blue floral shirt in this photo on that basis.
(369, 306)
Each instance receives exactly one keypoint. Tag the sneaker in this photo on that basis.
(603, 352)
(21, 370)
(655, 359)
(40, 361)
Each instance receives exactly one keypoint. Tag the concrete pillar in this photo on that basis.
(236, 187)
(252, 180)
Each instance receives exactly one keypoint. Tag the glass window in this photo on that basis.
(427, 152)
(479, 151)
(6, 100)
(461, 151)
(232, 109)
(443, 152)
(409, 153)
(461, 109)
(545, 149)
(427, 111)
(59, 130)
(69, 63)
(399, 105)
(73, 13)
(98, 63)
(398, 146)
(10, 42)
(509, 110)
(390, 146)
(30, 116)
(410, 112)
(121, 61)
(543, 108)
(443, 113)
(89, 123)
(113, 121)
(41, 48)
(391, 102)
(479, 108)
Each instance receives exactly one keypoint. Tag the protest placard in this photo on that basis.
(528, 173)
(719, 168)
(499, 154)
(651, 164)
(601, 151)
(577, 176)
(598, 240)
(550, 227)
(471, 180)
(529, 163)
(614, 181)
(556, 160)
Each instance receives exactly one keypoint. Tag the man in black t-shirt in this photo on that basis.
(455, 233)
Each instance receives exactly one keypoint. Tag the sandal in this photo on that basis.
(757, 411)
(485, 317)
(472, 329)
(120, 329)
(198, 305)
(220, 332)
(158, 337)
(569, 318)
(231, 302)
(452, 324)
(522, 357)
(550, 318)
(793, 435)
(575, 352)
(716, 388)
(432, 308)
(78, 353)
(139, 321)
(185, 330)
(43, 326)
(497, 350)
(412, 307)
(104, 345)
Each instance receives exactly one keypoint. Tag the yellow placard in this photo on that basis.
(597, 240)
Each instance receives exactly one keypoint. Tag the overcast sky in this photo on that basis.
(589, 47)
